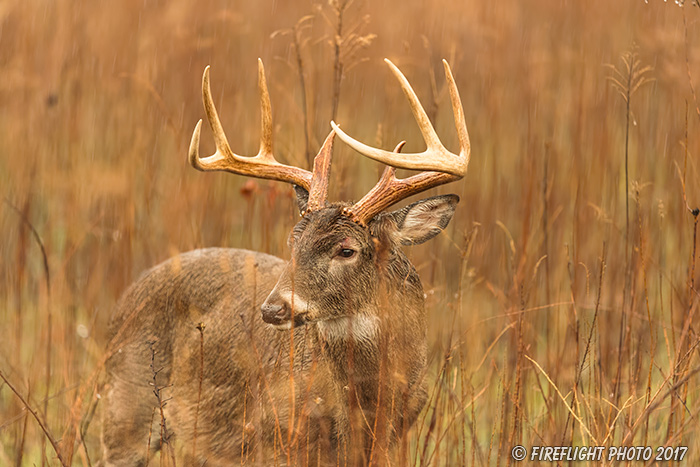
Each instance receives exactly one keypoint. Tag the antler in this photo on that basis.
(441, 166)
(264, 164)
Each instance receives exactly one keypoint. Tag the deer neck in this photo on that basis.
(352, 346)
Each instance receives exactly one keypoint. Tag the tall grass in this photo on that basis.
(543, 329)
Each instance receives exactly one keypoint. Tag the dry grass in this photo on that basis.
(557, 314)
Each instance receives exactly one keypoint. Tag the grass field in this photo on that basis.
(563, 297)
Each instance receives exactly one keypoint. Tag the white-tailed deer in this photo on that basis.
(225, 356)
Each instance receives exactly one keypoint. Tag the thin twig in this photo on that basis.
(38, 419)
(200, 328)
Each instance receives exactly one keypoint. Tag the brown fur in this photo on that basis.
(352, 390)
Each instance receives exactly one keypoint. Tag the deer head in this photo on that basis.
(341, 252)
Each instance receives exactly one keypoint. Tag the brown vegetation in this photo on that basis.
(561, 304)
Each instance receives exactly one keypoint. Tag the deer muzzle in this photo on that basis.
(278, 312)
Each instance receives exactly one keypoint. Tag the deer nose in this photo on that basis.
(276, 310)
(275, 313)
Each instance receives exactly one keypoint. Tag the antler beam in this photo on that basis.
(264, 164)
(440, 165)
(436, 157)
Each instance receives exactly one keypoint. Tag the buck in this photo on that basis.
(222, 356)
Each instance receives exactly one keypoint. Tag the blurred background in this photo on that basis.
(562, 298)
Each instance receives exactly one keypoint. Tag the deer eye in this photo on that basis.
(346, 253)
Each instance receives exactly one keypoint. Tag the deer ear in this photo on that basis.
(302, 198)
(422, 220)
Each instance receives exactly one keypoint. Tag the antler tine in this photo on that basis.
(465, 148)
(321, 173)
(262, 165)
(436, 157)
(265, 115)
(223, 150)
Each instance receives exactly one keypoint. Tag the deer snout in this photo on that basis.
(274, 313)
(278, 312)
